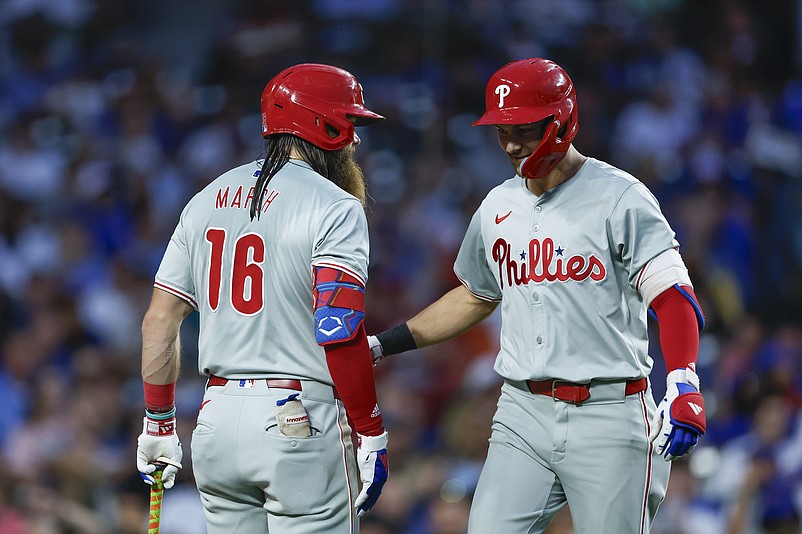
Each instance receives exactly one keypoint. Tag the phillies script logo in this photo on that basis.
(544, 262)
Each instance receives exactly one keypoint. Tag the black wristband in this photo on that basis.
(397, 339)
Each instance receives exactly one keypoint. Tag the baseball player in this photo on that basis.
(576, 251)
(274, 256)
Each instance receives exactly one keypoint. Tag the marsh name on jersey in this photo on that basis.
(237, 200)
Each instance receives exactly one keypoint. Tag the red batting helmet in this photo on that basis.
(318, 103)
(530, 90)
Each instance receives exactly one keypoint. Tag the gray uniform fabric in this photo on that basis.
(254, 480)
(564, 266)
(309, 221)
(251, 282)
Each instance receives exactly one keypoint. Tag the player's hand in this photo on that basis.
(376, 351)
(680, 418)
(158, 443)
(371, 457)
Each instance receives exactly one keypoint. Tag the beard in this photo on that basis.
(346, 173)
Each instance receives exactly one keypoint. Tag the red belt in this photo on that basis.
(577, 393)
(282, 383)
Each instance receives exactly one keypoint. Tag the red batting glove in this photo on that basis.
(680, 419)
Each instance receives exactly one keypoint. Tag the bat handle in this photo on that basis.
(156, 495)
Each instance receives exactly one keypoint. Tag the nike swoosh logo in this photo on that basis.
(204, 403)
(502, 217)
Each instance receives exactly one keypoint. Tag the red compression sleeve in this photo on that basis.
(679, 328)
(159, 397)
(351, 369)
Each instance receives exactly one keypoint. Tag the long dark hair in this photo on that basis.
(277, 154)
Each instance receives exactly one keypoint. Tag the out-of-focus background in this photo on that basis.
(112, 114)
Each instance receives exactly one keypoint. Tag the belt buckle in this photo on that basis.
(574, 401)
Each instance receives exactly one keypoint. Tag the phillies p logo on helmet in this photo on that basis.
(502, 91)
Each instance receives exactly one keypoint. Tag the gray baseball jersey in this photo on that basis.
(564, 266)
(252, 280)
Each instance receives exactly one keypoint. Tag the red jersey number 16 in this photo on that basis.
(246, 272)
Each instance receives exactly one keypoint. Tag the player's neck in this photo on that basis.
(564, 171)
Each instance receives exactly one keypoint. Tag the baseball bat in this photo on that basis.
(156, 495)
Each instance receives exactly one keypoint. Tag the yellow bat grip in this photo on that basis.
(156, 494)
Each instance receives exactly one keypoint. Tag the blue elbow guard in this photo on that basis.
(334, 325)
(339, 306)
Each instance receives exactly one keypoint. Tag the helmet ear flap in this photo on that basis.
(561, 131)
(338, 128)
(333, 132)
(543, 159)
(570, 126)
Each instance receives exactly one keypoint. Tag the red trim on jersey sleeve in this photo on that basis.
(340, 267)
(351, 369)
(679, 329)
(477, 295)
(176, 292)
(641, 273)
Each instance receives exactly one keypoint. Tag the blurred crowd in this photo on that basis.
(113, 114)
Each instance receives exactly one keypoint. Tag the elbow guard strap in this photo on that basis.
(339, 306)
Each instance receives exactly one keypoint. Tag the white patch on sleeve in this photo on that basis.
(661, 273)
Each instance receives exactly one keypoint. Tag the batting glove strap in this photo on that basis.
(159, 427)
(376, 351)
(683, 376)
(374, 469)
